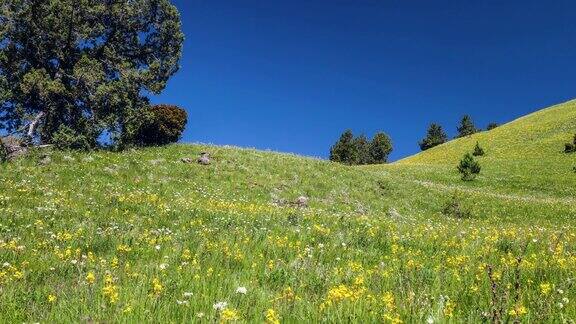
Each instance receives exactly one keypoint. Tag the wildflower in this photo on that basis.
(157, 287)
(545, 288)
(51, 298)
(90, 278)
(200, 315)
(187, 294)
(220, 306)
(449, 308)
(272, 316)
(241, 290)
(110, 290)
(518, 311)
(230, 315)
(163, 266)
(182, 302)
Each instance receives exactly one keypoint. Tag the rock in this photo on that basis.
(204, 159)
(302, 201)
(186, 160)
(45, 160)
(14, 147)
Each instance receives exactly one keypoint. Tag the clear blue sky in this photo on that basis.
(292, 75)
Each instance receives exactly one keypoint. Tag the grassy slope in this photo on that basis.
(524, 156)
(373, 245)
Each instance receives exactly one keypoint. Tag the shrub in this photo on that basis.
(434, 137)
(66, 138)
(570, 147)
(478, 151)
(454, 208)
(163, 124)
(469, 168)
(491, 126)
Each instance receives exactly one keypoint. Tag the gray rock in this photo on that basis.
(302, 201)
(204, 159)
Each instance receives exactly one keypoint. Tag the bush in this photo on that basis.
(66, 138)
(570, 147)
(453, 208)
(491, 126)
(164, 124)
(478, 151)
(469, 168)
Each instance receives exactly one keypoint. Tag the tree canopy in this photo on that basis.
(83, 67)
(358, 150)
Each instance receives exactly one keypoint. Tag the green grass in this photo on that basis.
(373, 246)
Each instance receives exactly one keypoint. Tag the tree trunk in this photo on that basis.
(34, 124)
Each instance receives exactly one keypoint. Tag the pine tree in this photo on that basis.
(344, 151)
(478, 151)
(466, 127)
(380, 148)
(469, 168)
(434, 137)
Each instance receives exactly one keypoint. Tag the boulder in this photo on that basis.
(302, 202)
(204, 159)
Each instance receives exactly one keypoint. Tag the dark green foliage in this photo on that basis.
(570, 147)
(434, 137)
(455, 209)
(66, 138)
(363, 150)
(345, 150)
(469, 168)
(358, 150)
(466, 127)
(83, 65)
(380, 148)
(3, 152)
(478, 151)
(163, 124)
(491, 126)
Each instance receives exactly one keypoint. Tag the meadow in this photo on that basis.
(140, 236)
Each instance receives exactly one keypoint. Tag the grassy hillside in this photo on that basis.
(524, 156)
(142, 237)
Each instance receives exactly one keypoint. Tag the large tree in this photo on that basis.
(345, 150)
(83, 66)
(434, 137)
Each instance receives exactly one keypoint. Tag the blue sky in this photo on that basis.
(292, 75)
